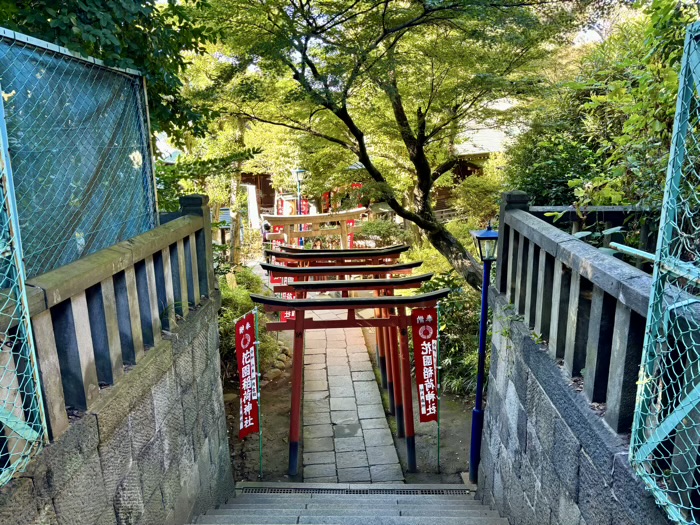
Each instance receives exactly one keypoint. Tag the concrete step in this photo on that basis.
(348, 486)
(396, 511)
(469, 504)
(345, 520)
(349, 498)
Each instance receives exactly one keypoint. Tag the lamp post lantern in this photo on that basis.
(486, 242)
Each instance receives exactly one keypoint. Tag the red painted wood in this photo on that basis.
(406, 374)
(297, 379)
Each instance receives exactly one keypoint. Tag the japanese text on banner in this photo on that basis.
(425, 339)
(246, 355)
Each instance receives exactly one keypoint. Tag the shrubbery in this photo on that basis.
(236, 302)
(459, 333)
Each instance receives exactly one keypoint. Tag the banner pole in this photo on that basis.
(257, 369)
(437, 370)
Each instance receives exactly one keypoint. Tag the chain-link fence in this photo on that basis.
(665, 445)
(79, 148)
(75, 177)
(22, 425)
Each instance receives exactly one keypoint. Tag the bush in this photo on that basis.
(476, 198)
(383, 233)
(246, 278)
(236, 302)
(460, 314)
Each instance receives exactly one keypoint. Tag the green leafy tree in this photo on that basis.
(603, 137)
(386, 83)
(147, 35)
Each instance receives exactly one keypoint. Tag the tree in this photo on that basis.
(388, 83)
(603, 135)
(147, 35)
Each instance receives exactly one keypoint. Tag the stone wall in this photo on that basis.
(547, 458)
(153, 450)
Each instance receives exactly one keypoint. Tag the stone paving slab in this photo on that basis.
(346, 437)
(319, 431)
(343, 417)
(374, 423)
(357, 458)
(314, 458)
(348, 444)
(357, 474)
(350, 430)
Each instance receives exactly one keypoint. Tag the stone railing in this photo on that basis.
(589, 307)
(100, 314)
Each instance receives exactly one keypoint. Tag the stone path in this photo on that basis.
(346, 437)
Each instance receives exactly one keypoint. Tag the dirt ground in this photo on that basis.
(455, 431)
(275, 404)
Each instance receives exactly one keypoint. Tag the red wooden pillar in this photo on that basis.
(297, 390)
(380, 334)
(397, 379)
(389, 365)
(406, 391)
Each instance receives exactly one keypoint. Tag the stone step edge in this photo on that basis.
(349, 486)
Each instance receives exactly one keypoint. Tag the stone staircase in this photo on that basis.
(344, 504)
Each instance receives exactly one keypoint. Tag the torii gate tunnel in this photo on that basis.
(389, 315)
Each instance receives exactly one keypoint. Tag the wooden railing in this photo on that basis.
(92, 317)
(589, 307)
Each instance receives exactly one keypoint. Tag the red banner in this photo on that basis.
(289, 314)
(246, 355)
(424, 324)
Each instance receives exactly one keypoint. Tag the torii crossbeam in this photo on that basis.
(301, 323)
(335, 257)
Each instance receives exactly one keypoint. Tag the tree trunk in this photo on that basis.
(458, 256)
(235, 220)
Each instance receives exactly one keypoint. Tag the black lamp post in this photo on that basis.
(486, 242)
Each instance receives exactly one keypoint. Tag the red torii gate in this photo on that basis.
(302, 257)
(386, 337)
(301, 323)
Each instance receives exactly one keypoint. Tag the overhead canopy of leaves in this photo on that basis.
(387, 83)
(191, 173)
(147, 35)
(604, 137)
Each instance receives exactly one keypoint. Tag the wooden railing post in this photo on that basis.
(577, 331)
(626, 353)
(509, 201)
(545, 281)
(71, 326)
(50, 370)
(600, 334)
(532, 286)
(560, 307)
(199, 205)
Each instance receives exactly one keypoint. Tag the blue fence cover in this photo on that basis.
(79, 150)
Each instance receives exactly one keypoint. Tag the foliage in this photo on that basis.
(236, 302)
(147, 35)
(386, 84)
(544, 159)
(195, 173)
(477, 197)
(459, 333)
(604, 137)
(383, 233)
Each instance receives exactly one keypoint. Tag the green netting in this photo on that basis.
(80, 152)
(665, 442)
